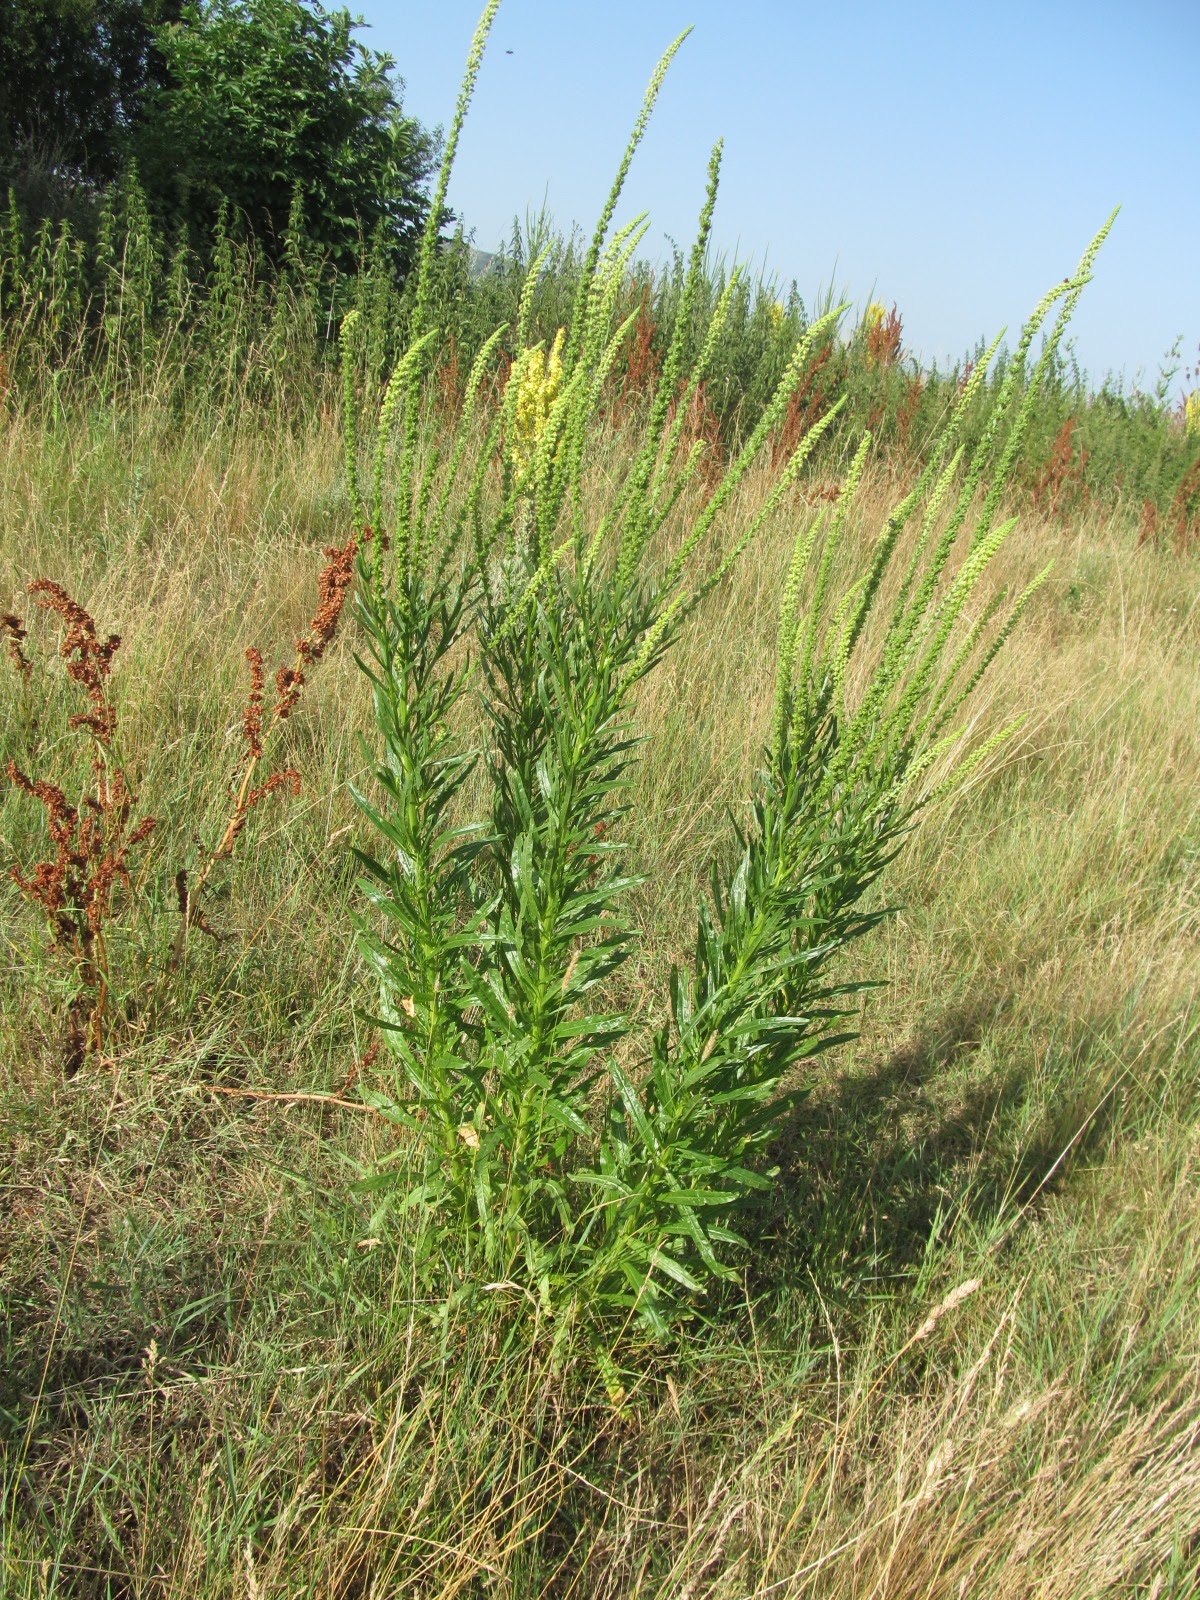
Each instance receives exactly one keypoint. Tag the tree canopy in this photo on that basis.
(252, 103)
(75, 78)
(264, 98)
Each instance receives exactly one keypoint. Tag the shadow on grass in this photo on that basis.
(177, 1259)
(962, 1124)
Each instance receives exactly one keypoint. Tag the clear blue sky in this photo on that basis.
(955, 158)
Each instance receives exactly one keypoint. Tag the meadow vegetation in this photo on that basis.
(275, 1317)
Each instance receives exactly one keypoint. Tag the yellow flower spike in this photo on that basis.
(873, 316)
(535, 379)
(1191, 413)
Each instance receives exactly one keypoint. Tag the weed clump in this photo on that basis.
(559, 1153)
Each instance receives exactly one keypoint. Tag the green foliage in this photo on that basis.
(115, 303)
(75, 79)
(268, 108)
(552, 1156)
(273, 107)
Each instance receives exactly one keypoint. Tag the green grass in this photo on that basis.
(213, 1381)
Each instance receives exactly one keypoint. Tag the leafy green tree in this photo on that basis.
(73, 82)
(267, 100)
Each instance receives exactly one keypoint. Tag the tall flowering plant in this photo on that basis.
(553, 1151)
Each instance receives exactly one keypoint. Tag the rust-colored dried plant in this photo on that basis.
(15, 635)
(258, 725)
(450, 380)
(1181, 519)
(702, 424)
(76, 887)
(641, 359)
(807, 404)
(1184, 515)
(1148, 524)
(906, 413)
(1060, 485)
(884, 335)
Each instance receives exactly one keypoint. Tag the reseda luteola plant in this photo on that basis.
(543, 1163)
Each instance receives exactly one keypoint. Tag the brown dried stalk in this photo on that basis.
(74, 888)
(701, 424)
(1181, 519)
(333, 586)
(15, 635)
(1148, 524)
(807, 404)
(884, 340)
(1061, 480)
(1184, 508)
(906, 413)
(88, 661)
(641, 359)
(450, 380)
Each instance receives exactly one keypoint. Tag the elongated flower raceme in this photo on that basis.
(535, 381)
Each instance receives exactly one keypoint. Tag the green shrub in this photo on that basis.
(549, 1158)
(274, 101)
